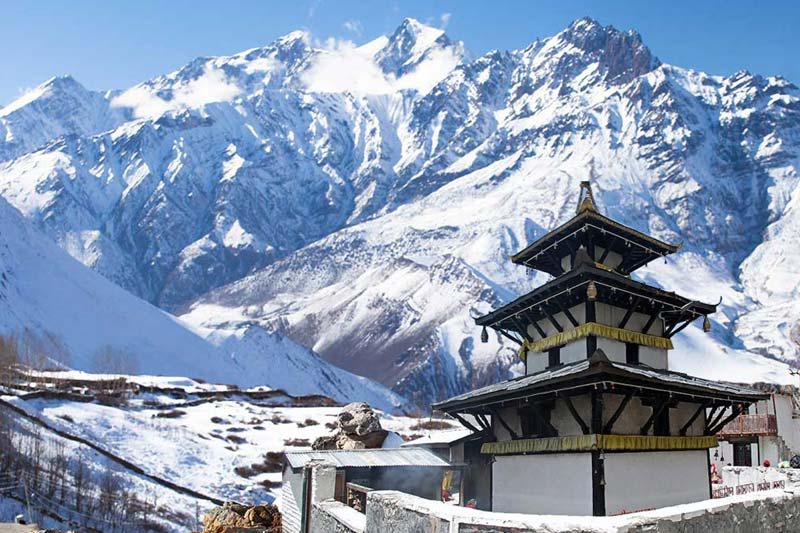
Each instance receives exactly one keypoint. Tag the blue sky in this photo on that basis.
(117, 44)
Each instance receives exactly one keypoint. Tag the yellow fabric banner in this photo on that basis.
(600, 330)
(580, 443)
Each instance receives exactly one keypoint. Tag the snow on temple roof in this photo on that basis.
(378, 457)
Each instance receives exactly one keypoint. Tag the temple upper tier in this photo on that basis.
(607, 242)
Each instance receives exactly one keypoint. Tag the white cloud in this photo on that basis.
(444, 20)
(438, 64)
(212, 86)
(343, 67)
(353, 26)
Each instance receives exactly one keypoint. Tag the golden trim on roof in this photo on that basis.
(599, 330)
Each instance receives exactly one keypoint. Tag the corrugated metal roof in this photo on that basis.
(366, 458)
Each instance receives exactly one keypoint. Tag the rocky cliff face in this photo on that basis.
(364, 200)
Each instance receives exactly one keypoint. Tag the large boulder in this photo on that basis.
(358, 427)
(235, 515)
(358, 418)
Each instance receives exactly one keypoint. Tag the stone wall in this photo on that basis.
(775, 510)
(335, 517)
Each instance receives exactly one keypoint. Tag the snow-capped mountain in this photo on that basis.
(363, 200)
(59, 309)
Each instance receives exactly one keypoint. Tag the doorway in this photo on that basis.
(742, 455)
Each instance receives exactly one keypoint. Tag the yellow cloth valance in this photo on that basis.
(593, 328)
(585, 443)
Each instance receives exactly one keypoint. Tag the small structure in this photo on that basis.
(598, 425)
(768, 431)
(416, 471)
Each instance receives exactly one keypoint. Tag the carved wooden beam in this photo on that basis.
(691, 420)
(506, 335)
(575, 415)
(553, 320)
(528, 315)
(521, 328)
(714, 418)
(650, 321)
(656, 412)
(496, 415)
(568, 314)
(611, 421)
(629, 312)
(737, 410)
(464, 423)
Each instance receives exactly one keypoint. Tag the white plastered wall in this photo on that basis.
(611, 315)
(562, 419)
(631, 420)
(578, 313)
(647, 480)
(543, 484)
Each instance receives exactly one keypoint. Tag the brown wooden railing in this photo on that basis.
(357, 497)
(750, 425)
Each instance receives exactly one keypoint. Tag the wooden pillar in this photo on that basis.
(598, 484)
(591, 340)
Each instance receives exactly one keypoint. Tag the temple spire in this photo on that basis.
(586, 199)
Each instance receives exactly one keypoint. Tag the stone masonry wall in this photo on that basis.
(767, 511)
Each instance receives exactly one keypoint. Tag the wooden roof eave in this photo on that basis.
(577, 221)
(595, 375)
(566, 282)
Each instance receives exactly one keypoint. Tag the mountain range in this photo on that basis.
(360, 202)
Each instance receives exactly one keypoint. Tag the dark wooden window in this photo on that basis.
(631, 353)
(554, 356)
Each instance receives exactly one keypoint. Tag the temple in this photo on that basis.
(598, 425)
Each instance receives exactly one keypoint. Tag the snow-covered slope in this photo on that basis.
(363, 200)
(58, 307)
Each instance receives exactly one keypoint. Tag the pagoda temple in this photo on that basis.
(598, 425)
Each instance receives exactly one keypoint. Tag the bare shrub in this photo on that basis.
(431, 425)
(174, 413)
(111, 360)
(296, 442)
(307, 422)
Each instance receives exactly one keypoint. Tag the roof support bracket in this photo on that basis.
(496, 415)
(629, 312)
(464, 423)
(714, 417)
(534, 323)
(506, 335)
(650, 321)
(611, 421)
(583, 425)
(691, 420)
(521, 328)
(737, 410)
(657, 410)
(553, 320)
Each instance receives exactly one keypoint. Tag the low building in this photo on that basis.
(768, 431)
(413, 470)
(599, 425)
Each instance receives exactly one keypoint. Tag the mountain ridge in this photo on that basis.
(341, 210)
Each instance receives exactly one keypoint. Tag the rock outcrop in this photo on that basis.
(234, 515)
(359, 427)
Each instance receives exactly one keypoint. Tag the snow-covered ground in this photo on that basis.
(215, 445)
